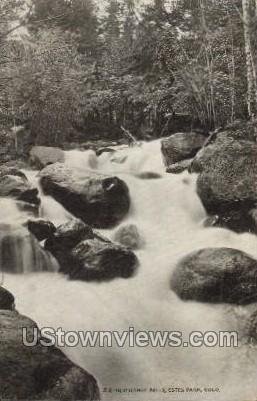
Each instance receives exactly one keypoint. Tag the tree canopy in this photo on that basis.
(78, 73)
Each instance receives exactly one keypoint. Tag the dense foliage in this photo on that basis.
(76, 73)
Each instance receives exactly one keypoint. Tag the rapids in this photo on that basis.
(169, 214)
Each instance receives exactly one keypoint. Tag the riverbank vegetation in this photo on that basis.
(75, 71)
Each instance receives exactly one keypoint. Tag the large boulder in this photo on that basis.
(216, 275)
(41, 229)
(41, 156)
(38, 372)
(181, 146)
(129, 235)
(6, 299)
(65, 238)
(99, 200)
(95, 259)
(238, 131)
(226, 185)
(86, 255)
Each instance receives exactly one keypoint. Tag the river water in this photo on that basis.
(169, 215)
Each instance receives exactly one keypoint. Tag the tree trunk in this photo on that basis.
(251, 85)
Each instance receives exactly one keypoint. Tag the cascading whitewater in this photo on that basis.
(21, 253)
(19, 250)
(169, 215)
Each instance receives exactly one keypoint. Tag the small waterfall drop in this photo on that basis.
(20, 252)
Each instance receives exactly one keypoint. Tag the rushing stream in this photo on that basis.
(170, 217)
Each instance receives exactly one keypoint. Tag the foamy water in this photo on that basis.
(169, 215)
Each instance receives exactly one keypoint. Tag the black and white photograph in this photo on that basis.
(128, 200)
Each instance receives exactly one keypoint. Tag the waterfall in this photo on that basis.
(20, 252)
(170, 217)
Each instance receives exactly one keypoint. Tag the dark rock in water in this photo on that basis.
(87, 255)
(65, 238)
(148, 175)
(222, 141)
(181, 146)
(228, 171)
(99, 200)
(100, 151)
(179, 167)
(219, 275)
(30, 196)
(234, 220)
(100, 260)
(227, 182)
(41, 229)
(17, 186)
(128, 235)
(38, 372)
(69, 235)
(42, 156)
(6, 299)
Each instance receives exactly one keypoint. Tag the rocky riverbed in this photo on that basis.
(110, 240)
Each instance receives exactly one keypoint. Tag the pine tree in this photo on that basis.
(112, 21)
(130, 22)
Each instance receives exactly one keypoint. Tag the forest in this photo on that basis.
(79, 70)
